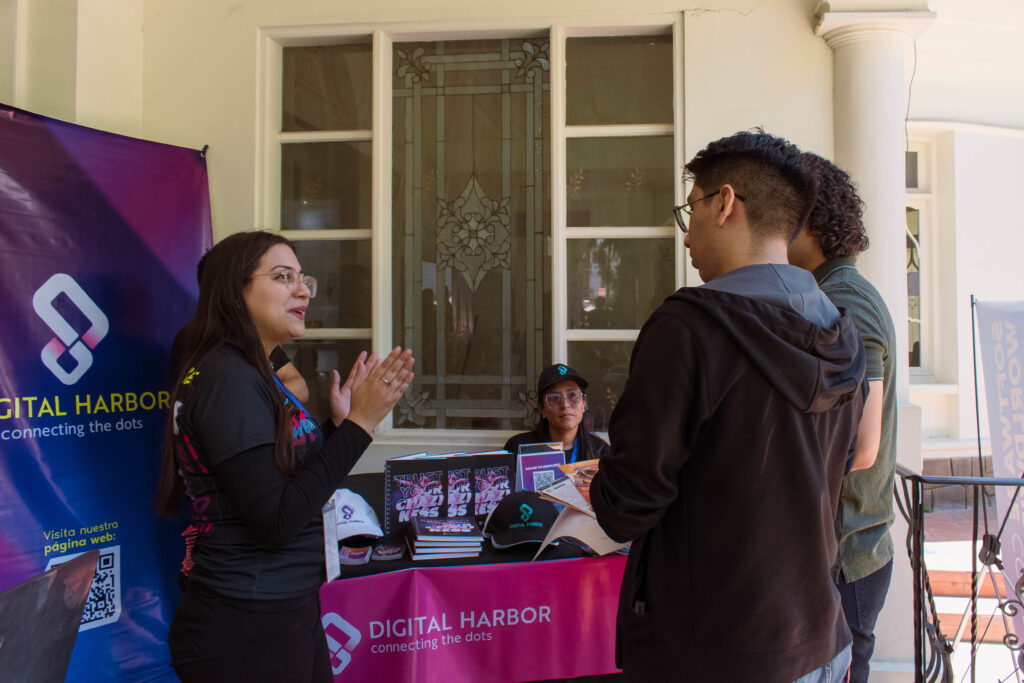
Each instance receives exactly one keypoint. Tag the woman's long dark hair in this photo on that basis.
(221, 316)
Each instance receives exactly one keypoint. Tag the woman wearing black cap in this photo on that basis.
(561, 404)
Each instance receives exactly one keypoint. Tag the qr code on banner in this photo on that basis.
(104, 603)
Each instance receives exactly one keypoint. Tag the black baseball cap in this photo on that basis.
(520, 517)
(553, 374)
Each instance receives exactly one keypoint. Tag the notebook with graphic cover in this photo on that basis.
(414, 486)
(444, 484)
(493, 478)
(459, 489)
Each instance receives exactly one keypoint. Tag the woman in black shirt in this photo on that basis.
(257, 469)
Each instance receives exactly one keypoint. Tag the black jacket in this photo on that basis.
(729, 445)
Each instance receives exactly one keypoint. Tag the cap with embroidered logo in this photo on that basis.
(560, 372)
(520, 517)
(354, 515)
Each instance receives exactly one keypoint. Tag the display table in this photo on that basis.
(492, 620)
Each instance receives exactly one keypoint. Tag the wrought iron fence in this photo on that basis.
(933, 647)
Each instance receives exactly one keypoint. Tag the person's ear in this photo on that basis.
(727, 203)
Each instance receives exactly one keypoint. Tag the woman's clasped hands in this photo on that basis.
(372, 388)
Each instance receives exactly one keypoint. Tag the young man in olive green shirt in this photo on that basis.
(827, 247)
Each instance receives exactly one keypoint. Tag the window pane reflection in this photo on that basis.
(914, 285)
(327, 87)
(325, 185)
(605, 365)
(622, 79)
(314, 359)
(616, 283)
(619, 181)
(342, 272)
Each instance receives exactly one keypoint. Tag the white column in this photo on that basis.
(869, 113)
(869, 110)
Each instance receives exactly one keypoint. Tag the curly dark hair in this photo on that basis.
(769, 172)
(837, 217)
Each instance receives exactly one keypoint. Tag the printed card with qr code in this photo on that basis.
(104, 603)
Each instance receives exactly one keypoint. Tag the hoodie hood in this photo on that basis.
(786, 347)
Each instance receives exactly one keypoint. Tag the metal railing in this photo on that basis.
(932, 647)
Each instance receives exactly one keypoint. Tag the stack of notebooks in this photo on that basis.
(444, 485)
(442, 538)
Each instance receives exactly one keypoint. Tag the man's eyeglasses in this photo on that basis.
(291, 279)
(687, 209)
(573, 398)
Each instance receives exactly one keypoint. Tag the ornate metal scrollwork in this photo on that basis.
(1011, 607)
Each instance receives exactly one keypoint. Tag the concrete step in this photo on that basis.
(992, 626)
(958, 584)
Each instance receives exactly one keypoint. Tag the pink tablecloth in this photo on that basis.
(494, 622)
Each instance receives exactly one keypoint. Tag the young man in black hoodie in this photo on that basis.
(730, 441)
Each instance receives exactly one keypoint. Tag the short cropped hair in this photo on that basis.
(836, 220)
(770, 174)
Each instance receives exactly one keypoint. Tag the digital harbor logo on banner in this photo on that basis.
(341, 647)
(31, 417)
(67, 339)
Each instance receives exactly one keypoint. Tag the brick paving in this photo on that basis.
(956, 524)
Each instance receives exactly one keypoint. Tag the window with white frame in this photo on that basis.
(920, 263)
(495, 202)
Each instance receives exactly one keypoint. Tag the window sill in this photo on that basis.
(929, 386)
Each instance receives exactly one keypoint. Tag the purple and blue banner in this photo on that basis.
(1000, 339)
(99, 239)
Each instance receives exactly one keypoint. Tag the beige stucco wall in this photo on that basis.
(185, 72)
(990, 231)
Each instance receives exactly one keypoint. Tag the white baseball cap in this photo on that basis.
(354, 515)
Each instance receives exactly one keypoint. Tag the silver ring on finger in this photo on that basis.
(386, 380)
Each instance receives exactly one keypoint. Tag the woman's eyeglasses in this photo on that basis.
(573, 398)
(291, 279)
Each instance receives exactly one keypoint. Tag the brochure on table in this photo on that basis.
(577, 520)
(581, 473)
(563, 491)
